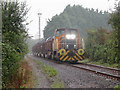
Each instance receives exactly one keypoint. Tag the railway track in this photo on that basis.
(107, 72)
(100, 70)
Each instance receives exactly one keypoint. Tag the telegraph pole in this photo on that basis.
(39, 14)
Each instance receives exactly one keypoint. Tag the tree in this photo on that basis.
(105, 46)
(76, 17)
(14, 35)
(115, 22)
(95, 42)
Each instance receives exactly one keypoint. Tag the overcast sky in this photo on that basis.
(49, 8)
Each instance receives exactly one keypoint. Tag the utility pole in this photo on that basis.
(39, 24)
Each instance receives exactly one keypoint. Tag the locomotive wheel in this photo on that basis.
(73, 62)
(59, 62)
(40, 55)
(52, 57)
(43, 55)
(46, 56)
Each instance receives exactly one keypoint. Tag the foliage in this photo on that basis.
(48, 70)
(57, 84)
(31, 42)
(100, 62)
(117, 87)
(115, 22)
(104, 46)
(94, 44)
(51, 75)
(77, 17)
(100, 46)
(13, 38)
(23, 77)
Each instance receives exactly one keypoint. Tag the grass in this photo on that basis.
(51, 73)
(56, 84)
(84, 61)
(100, 62)
(38, 62)
(23, 77)
(0, 82)
(0, 73)
(117, 87)
(48, 70)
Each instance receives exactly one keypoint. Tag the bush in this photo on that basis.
(13, 38)
(101, 45)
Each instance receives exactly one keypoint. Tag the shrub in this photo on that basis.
(13, 38)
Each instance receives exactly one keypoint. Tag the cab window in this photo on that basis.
(59, 32)
(71, 32)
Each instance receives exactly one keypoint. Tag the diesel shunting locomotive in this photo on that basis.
(65, 46)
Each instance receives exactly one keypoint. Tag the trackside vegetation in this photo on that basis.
(14, 35)
(77, 17)
(117, 87)
(103, 46)
(51, 73)
(48, 70)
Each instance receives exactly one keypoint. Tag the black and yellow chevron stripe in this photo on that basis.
(70, 56)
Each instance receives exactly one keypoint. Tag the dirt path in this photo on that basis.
(40, 80)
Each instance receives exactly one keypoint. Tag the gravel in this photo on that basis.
(109, 71)
(76, 78)
(40, 80)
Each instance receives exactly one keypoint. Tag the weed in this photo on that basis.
(51, 72)
(24, 82)
(30, 72)
(21, 86)
(56, 84)
(23, 77)
(48, 70)
(38, 62)
(100, 62)
(117, 87)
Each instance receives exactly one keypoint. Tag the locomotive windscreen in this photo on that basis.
(71, 39)
(60, 32)
(68, 38)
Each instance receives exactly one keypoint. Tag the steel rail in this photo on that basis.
(115, 69)
(116, 77)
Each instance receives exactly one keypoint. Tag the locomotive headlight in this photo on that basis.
(73, 36)
(68, 36)
(74, 46)
(67, 46)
